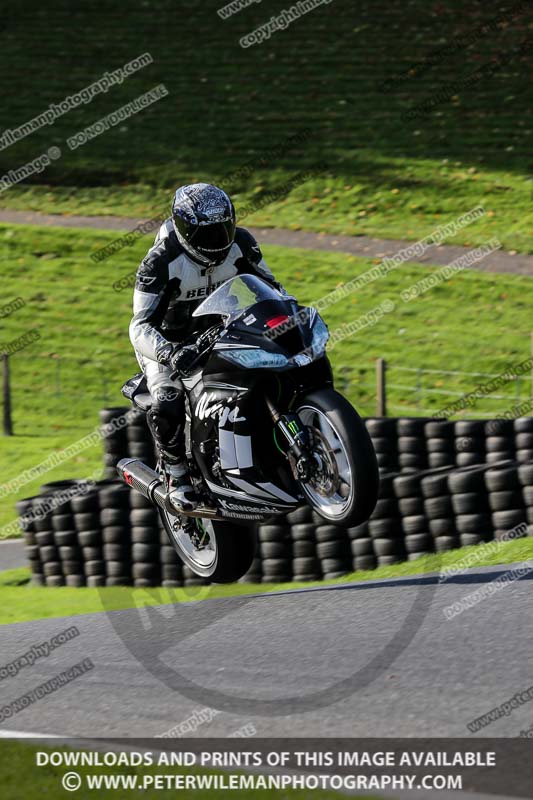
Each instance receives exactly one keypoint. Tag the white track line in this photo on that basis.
(26, 735)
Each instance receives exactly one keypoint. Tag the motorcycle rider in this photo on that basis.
(196, 249)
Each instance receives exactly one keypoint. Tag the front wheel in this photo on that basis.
(220, 551)
(344, 488)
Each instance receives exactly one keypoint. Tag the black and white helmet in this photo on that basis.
(204, 221)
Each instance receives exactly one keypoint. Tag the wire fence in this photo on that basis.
(423, 391)
(61, 390)
(420, 391)
(75, 378)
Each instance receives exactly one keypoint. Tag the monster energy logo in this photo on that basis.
(293, 426)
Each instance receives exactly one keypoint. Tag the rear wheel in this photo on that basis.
(220, 551)
(344, 489)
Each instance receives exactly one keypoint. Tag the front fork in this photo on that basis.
(297, 437)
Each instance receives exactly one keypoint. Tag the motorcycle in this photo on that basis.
(266, 431)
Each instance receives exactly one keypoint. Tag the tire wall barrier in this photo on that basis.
(443, 485)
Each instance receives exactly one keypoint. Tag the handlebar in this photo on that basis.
(204, 342)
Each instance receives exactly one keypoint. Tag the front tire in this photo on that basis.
(228, 556)
(348, 454)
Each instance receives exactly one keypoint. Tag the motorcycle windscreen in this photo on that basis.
(236, 295)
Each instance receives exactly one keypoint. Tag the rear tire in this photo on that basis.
(234, 549)
(359, 453)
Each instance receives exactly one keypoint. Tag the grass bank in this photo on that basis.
(473, 322)
(403, 117)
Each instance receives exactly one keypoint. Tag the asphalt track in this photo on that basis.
(368, 659)
(12, 554)
(499, 261)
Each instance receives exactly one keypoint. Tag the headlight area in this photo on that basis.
(254, 359)
(257, 358)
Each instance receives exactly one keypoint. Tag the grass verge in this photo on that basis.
(414, 199)
(21, 602)
(405, 116)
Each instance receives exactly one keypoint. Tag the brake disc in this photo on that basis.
(326, 480)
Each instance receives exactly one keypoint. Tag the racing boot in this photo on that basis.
(181, 493)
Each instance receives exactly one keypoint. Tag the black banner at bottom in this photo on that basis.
(299, 768)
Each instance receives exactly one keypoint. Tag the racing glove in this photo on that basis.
(182, 359)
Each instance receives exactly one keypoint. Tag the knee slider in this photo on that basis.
(162, 423)
(165, 415)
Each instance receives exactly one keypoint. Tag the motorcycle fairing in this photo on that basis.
(222, 430)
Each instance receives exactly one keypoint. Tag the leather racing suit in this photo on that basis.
(169, 286)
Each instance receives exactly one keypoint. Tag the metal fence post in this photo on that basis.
(8, 422)
(381, 388)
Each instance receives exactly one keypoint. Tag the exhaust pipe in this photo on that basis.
(148, 482)
(141, 478)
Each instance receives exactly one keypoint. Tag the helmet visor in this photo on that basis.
(213, 238)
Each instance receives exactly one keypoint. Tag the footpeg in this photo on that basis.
(183, 498)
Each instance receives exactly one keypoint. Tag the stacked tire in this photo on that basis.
(114, 515)
(139, 440)
(86, 521)
(439, 512)
(384, 532)
(332, 548)
(469, 443)
(115, 439)
(147, 544)
(361, 548)
(506, 501)
(55, 535)
(306, 564)
(523, 431)
(412, 451)
(275, 552)
(470, 505)
(525, 476)
(48, 552)
(499, 440)
(382, 431)
(31, 547)
(417, 539)
(68, 557)
(440, 443)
